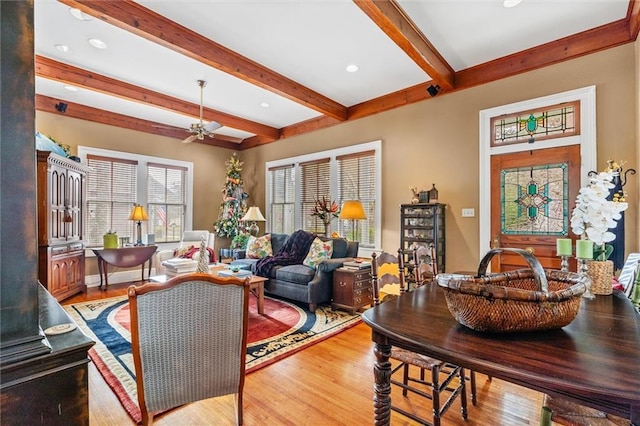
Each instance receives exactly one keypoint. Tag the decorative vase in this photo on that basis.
(327, 229)
(110, 241)
(601, 274)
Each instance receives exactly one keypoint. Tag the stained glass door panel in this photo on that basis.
(532, 195)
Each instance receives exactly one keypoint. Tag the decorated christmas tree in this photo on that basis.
(234, 201)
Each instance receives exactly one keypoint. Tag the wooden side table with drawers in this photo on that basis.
(351, 289)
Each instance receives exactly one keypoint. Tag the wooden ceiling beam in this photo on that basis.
(83, 112)
(145, 23)
(53, 70)
(633, 16)
(571, 47)
(604, 37)
(393, 21)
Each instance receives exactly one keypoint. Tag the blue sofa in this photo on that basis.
(300, 282)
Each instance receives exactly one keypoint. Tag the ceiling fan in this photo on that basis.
(200, 130)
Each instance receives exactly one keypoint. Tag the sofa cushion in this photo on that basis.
(339, 247)
(298, 274)
(319, 251)
(257, 248)
(277, 241)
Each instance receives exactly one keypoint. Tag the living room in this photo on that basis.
(432, 141)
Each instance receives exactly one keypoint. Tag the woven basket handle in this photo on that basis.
(538, 271)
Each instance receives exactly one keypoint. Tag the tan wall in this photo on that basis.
(208, 162)
(435, 141)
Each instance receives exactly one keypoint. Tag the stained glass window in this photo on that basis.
(534, 200)
(529, 126)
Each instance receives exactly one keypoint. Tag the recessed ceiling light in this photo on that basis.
(97, 43)
(511, 3)
(264, 104)
(78, 14)
(70, 88)
(63, 48)
(352, 68)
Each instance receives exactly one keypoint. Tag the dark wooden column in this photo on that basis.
(40, 377)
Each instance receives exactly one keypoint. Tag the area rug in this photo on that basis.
(285, 328)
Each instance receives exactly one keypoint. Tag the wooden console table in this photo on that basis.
(125, 257)
(593, 361)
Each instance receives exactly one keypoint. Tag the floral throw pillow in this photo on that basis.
(257, 248)
(319, 251)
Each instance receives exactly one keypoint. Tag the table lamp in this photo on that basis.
(352, 210)
(138, 214)
(254, 215)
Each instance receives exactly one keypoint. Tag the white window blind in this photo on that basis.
(357, 181)
(166, 201)
(316, 183)
(353, 172)
(281, 209)
(111, 192)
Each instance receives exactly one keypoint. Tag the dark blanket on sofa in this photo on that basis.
(292, 252)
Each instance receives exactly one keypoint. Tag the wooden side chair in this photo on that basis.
(385, 269)
(425, 264)
(563, 412)
(189, 340)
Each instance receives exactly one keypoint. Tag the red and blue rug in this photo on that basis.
(285, 328)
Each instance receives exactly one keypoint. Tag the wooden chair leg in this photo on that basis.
(405, 378)
(239, 411)
(463, 393)
(472, 379)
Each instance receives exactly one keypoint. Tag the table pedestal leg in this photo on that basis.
(382, 387)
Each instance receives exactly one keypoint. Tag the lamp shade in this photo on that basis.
(352, 209)
(254, 214)
(138, 213)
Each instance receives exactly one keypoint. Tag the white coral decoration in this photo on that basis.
(594, 215)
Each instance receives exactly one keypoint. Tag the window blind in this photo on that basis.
(111, 192)
(282, 208)
(316, 183)
(357, 181)
(166, 201)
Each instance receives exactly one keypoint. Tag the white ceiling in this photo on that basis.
(308, 41)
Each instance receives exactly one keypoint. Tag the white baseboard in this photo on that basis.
(118, 277)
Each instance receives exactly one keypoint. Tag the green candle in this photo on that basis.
(584, 249)
(563, 246)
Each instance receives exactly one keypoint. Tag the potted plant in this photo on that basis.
(593, 217)
(239, 243)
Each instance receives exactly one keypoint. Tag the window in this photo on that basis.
(166, 200)
(293, 185)
(316, 183)
(117, 180)
(111, 192)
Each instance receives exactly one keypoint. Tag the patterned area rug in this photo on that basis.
(284, 329)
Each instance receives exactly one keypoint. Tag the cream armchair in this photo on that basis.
(189, 239)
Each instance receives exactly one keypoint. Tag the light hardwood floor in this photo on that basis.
(330, 383)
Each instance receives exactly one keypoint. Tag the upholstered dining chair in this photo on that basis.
(189, 340)
(447, 380)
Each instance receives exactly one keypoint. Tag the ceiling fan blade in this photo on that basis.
(211, 126)
(190, 139)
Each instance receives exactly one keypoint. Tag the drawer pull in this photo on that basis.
(343, 284)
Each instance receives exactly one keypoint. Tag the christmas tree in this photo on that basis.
(234, 201)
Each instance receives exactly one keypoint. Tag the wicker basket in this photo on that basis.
(522, 300)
